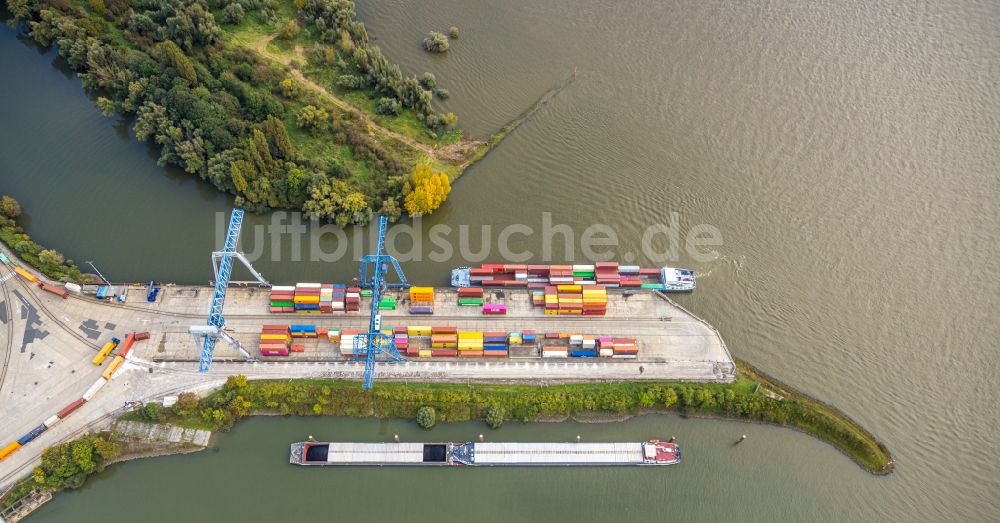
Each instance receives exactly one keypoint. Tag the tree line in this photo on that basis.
(221, 409)
(219, 111)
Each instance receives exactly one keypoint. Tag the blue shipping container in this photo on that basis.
(583, 353)
(37, 431)
(303, 328)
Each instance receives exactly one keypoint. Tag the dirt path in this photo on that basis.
(454, 153)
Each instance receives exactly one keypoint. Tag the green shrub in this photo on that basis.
(426, 417)
(436, 42)
(494, 416)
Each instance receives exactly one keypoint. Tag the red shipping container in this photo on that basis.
(68, 409)
(444, 330)
(127, 345)
(297, 348)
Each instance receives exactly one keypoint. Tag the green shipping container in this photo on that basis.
(282, 304)
(470, 301)
(387, 303)
(583, 275)
(367, 293)
(654, 286)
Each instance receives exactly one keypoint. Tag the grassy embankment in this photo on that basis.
(753, 397)
(49, 262)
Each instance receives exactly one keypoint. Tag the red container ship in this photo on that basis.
(609, 274)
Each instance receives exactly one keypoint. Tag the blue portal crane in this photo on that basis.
(222, 265)
(375, 342)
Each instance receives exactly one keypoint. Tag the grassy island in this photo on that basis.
(284, 103)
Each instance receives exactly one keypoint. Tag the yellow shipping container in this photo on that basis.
(9, 449)
(418, 330)
(569, 288)
(306, 299)
(470, 335)
(113, 367)
(425, 354)
(103, 353)
(421, 293)
(26, 275)
(275, 337)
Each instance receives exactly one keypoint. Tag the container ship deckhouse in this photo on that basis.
(653, 452)
(608, 274)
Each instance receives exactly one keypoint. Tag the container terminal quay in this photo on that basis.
(55, 343)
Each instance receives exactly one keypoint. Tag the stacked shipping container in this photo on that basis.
(445, 341)
(282, 299)
(470, 296)
(571, 299)
(470, 344)
(309, 298)
(352, 301)
(274, 340)
(421, 300)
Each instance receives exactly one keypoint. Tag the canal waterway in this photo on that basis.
(845, 151)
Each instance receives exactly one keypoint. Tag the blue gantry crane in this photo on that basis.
(222, 265)
(375, 343)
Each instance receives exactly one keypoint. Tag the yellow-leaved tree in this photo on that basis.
(428, 190)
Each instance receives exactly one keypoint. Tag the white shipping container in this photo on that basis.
(624, 356)
(628, 269)
(607, 352)
(51, 421)
(555, 354)
(89, 395)
(283, 288)
(309, 285)
(72, 287)
(583, 268)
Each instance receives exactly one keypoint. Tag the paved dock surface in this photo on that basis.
(48, 343)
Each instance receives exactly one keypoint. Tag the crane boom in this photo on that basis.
(375, 342)
(222, 265)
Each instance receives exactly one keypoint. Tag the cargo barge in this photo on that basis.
(473, 454)
(608, 274)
